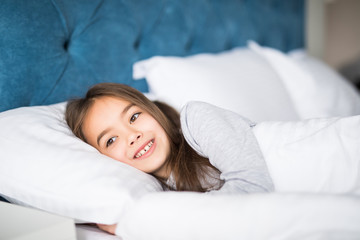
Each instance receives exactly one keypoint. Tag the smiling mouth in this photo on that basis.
(145, 149)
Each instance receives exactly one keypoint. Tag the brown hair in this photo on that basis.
(191, 171)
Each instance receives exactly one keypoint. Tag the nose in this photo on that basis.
(133, 137)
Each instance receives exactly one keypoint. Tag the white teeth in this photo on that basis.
(146, 148)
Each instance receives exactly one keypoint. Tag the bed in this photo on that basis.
(246, 56)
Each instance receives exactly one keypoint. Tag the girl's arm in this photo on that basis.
(226, 138)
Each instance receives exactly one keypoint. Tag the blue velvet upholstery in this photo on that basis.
(53, 50)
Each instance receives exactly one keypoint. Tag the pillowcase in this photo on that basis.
(239, 80)
(43, 165)
(316, 89)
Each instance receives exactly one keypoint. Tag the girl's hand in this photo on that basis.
(107, 228)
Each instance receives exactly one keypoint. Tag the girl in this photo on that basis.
(199, 151)
(205, 149)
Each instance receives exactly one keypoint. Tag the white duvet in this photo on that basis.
(315, 165)
(317, 155)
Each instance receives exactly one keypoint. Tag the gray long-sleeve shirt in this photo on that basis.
(227, 139)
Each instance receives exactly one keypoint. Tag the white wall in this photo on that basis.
(332, 31)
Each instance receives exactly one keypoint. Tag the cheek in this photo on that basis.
(117, 152)
(165, 140)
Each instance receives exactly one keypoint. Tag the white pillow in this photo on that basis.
(43, 165)
(238, 80)
(316, 89)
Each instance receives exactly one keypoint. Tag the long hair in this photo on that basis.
(190, 171)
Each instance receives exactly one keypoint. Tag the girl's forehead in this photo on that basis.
(105, 106)
(111, 99)
(113, 104)
(103, 113)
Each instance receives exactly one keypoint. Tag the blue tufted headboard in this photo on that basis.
(53, 50)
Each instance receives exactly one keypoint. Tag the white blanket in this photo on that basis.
(317, 155)
(277, 216)
(315, 167)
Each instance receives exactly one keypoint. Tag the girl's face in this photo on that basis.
(126, 133)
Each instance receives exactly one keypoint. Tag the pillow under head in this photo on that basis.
(43, 165)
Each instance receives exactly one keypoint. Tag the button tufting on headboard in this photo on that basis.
(107, 37)
(66, 45)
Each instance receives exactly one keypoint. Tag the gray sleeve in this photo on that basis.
(226, 138)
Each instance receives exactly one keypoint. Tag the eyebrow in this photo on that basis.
(124, 111)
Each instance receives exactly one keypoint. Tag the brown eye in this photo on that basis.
(134, 117)
(110, 141)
